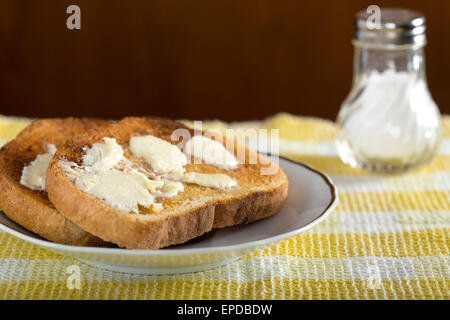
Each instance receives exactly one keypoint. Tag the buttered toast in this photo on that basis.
(148, 183)
(22, 179)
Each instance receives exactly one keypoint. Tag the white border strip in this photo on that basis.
(252, 269)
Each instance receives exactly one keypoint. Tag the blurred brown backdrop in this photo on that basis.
(231, 59)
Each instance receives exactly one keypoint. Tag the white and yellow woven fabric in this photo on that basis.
(387, 239)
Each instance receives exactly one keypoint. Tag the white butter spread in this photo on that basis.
(33, 175)
(161, 155)
(107, 175)
(103, 155)
(50, 148)
(170, 189)
(119, 189)
(210, 152)
(168, 160)
(212, 180)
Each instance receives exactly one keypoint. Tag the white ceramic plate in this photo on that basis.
(312, 196)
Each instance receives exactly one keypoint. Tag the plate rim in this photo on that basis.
(165, 251)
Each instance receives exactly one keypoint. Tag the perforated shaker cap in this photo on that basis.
(392, 28)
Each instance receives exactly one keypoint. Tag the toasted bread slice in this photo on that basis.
(188, 215)
(32, 208)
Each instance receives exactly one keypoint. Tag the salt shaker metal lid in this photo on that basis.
(390, 28)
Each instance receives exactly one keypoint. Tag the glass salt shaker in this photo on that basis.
(389, 121)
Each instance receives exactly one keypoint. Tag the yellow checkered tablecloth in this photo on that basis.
(387, 239)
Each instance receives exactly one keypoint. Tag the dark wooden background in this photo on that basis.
(202, 59)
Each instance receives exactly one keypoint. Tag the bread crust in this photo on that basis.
(180, 222)
(254, 207)
(32, 209)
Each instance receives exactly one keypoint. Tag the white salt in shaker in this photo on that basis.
(389, 121)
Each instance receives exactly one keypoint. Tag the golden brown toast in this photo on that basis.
(32, 208)
(188, 215)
